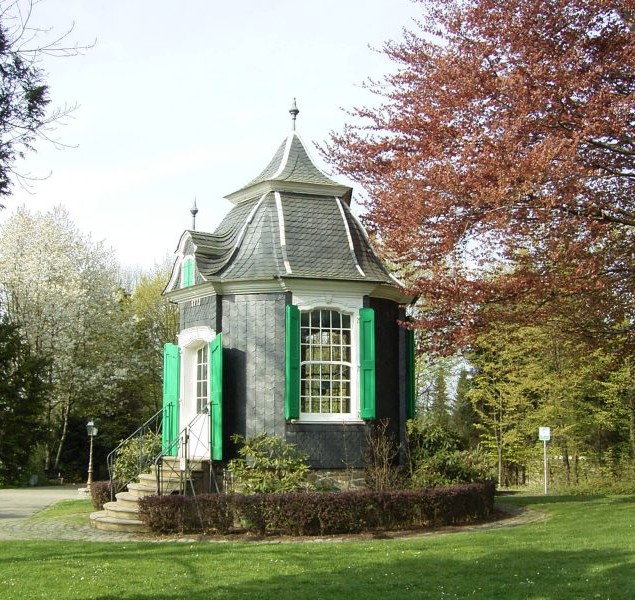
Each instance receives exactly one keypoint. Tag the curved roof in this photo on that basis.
(291, 221)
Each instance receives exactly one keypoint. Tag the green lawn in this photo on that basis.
(586, 549)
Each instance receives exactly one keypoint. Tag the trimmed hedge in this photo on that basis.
(319, 513)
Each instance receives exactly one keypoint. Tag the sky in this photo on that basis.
(188, 100)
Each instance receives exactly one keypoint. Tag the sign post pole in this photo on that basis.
(544, 434)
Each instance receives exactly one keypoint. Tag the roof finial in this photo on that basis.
(194, 212)
(293, 111)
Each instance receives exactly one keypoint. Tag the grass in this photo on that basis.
(66, 511)
(585, 549)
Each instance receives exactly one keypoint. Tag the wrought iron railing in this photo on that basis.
(137, 445)
(174, 464)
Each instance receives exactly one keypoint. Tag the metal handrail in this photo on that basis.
(153, 424)
(182, 441)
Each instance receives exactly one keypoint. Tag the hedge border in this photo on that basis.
(318, 513)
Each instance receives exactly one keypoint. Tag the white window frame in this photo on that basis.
(190, 341)
(345, 304)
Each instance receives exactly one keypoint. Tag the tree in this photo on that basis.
(24, 94)
(463, 417)
(22, 397)
(439, 407)
(61, 291)
(501, 162)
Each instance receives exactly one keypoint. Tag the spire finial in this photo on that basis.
(194, 212)
(293, 111)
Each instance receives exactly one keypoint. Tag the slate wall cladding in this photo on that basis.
(331, 445)
(201, 312)
(388, 370)
(253, 328)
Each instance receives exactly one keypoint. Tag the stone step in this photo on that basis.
(127, 499)
(168, 480)
(139, 490)
(116, 510)
(100, 520)
(173, 464)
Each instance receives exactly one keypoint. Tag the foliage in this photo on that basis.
(463, 417)
(23, 393)
(319, 513)
(529, 376)
(104, 344)
(100, 493)
(268, 463)
(435, 456)
(500, 164)
(60, 289)
(24, 94)
(135, 455)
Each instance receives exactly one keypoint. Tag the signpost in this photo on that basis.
(544, 434)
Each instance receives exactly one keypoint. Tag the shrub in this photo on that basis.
(435, 457)
(383, 450)
(319, 513)
(215, 512)
(268, 464)
(100, 493)
(169, 514)
(134, 456)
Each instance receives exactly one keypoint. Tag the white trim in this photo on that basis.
(349, 237)
(285, 156)
(280, 185)
(350, 305)
(190, 341)
(248, 221)
(195, 336)
(283, 238)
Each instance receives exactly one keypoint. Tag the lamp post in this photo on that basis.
(91, 429)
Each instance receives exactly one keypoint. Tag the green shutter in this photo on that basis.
(187, 275)
(411, 400)
(292, 367)
(170, 427)
(216, 395)
(367, 363)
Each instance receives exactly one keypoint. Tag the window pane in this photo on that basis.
(325, 353)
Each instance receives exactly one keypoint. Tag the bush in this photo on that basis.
(134, 456)
(215, 512)
(100, 493)
(268, 464)
(169, 514)
(435, 457)
(319, 513)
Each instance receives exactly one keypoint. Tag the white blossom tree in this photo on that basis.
(60, 288)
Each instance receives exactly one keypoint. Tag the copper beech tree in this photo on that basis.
(500, 161)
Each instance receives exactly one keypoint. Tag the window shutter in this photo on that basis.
(367, 363)
(292, 366)
(410, 375)
(170, 426)
(187, 275)
(216, 395)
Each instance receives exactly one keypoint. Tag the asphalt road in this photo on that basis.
(24, 502)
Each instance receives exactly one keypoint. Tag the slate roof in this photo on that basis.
(291, 162)
(291, 221)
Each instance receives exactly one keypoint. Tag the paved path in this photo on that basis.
(16, 506)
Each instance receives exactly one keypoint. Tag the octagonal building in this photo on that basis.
(289, 324)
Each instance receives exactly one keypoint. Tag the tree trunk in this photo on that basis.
(65, 416)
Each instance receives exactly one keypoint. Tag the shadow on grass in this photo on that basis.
(410, 569)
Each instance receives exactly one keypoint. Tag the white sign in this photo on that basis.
(544, 434)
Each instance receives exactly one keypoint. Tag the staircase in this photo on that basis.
(123, 514)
